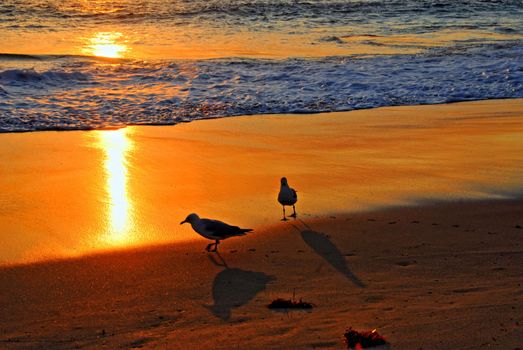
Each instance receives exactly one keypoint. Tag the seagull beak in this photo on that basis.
(183, 222)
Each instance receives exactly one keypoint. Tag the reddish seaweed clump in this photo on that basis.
(289, 304)
(363, 340)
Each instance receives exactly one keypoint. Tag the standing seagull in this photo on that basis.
(214, 229)
(287, 196)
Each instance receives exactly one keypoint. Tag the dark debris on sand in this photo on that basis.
(289, 304)
(363, 340)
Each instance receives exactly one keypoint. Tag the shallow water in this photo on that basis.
(91, 64)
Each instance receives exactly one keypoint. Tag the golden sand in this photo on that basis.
(70, 193)
(404, 225)
(443, 276)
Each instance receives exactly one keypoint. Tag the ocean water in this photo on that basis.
(84, 64)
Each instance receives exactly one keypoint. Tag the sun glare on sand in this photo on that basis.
(116, 145)
(106, 44)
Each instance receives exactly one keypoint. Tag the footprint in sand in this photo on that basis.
(140, 342)
(326, 344)
(468, 290)
(404, 263)
(374, 298)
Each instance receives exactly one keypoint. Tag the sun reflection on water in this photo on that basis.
(106, 44)
(116, 146)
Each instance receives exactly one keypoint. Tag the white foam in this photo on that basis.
(82, 94)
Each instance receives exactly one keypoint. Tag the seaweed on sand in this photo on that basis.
(363, 340)
(281, 303)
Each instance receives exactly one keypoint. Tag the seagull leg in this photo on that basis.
(222, 261)
(208, 248)
(293, 215)
(216, 245)
(284, 218)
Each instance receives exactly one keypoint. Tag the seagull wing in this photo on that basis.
(294, 194)
(222, 230)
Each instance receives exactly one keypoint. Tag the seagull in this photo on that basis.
(287, 196)
(214, 229)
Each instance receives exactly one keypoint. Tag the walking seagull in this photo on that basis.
(214, 230)
(287, 196)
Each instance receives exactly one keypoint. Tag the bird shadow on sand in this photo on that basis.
(233, 287)
(323, 246)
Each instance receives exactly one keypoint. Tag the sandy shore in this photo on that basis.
(441, 276)
(409, 222)
(70, 193)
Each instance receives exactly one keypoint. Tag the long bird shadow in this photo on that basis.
(234, 287)
(324, 247)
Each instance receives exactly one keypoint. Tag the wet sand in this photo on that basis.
(409, 222)
(66, 194)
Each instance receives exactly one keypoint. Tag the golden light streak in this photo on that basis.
(116, 146)
(106, 44)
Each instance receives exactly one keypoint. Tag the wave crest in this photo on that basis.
(10, 76)
(86, 95)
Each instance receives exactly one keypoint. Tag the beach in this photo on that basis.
(409, 222)
(441, 276)
(398, 125)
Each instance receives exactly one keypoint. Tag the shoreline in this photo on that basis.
(117, 127)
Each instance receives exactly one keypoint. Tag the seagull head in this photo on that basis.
(191, 218)
(284, 181)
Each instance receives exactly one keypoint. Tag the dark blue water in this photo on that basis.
(442, 51)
